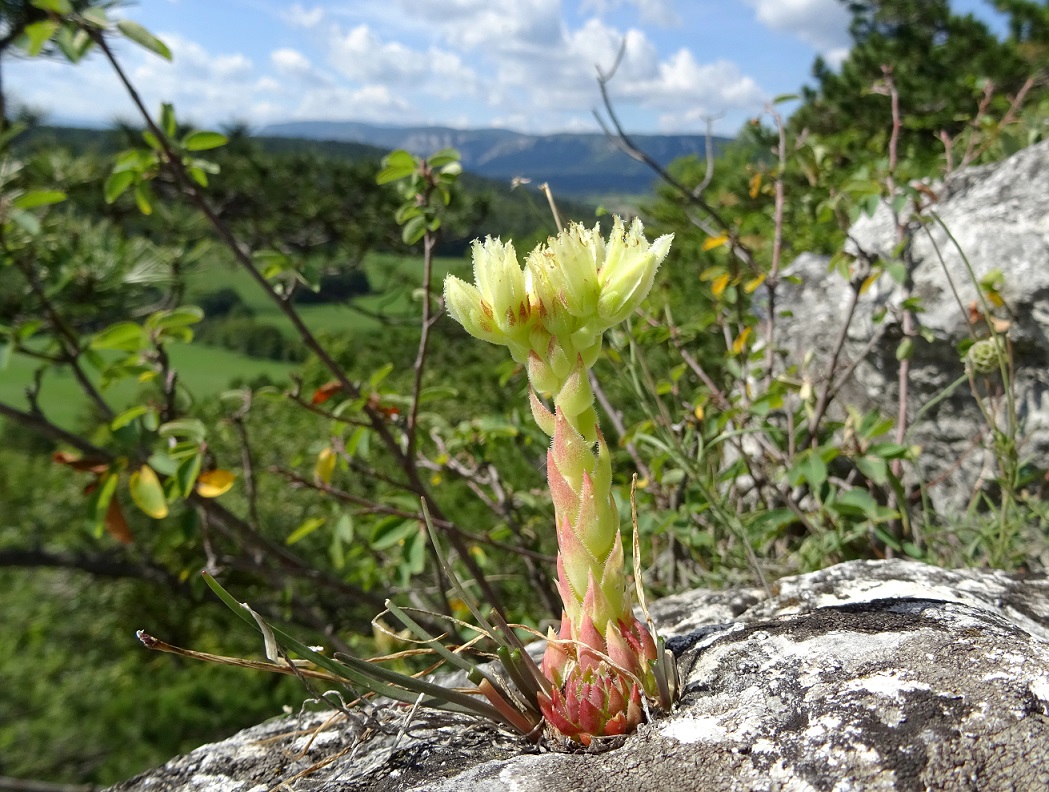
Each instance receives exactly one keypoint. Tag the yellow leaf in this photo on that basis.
(698, 412)
(325, 466)
(741, 340)
(753, 284)
(995, 299)
(214, 483)
(755, 185)
(715, 242)
(869, 281)
(147, 493)
(719, 284)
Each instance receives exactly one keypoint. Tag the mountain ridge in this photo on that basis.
(573, 163)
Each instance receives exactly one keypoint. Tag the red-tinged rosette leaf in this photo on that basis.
(214, 483)
(325, 392)
(116, 522)
(556, 658)
(566, 499)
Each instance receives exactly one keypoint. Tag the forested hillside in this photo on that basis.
(579, 165)
(231, 353)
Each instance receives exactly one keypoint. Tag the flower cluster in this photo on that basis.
(552, 314)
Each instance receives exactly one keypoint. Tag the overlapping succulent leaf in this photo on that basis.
(552, 315)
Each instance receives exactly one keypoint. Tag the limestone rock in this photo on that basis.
(998, 216)
(866, 676)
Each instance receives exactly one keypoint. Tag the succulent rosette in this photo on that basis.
(552, 314)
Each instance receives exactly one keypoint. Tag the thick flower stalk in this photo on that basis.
(552, 315)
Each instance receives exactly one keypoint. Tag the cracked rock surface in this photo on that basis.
(869, 675)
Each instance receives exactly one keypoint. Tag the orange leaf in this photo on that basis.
(869, 281)
(116, 523)
(214, 483)
(719, 284)
(325, 392)
(715, 242)
(755, 185)
(741, 340)
(750, 286)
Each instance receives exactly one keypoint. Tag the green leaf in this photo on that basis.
(443, 157)
(134, 160)
(38, 34)
(889, 451)
(152, 141)
(397, 165)
(380, 374)
(117, 184)
(198, 175)
(310, 525)
(147, 493)
(126, 417)
(96, 16)
(905, 349)
(859, 501)
(125, 336)
(203, 141)
(167, 120)
(163, 464)
(187, 472)
(61, 7)
(413, 230)
(874, 468)
(35, 198)
(143, 38)
(143, 198)
(390, 532)
(73, 41)
(808, 468)
(29, 222)
(344, 527)
(271, 263)
(182, 316)
(189, 428)
(415, 552)
(5, 353)
(98, 504)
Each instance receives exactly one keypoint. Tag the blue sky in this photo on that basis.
(527, 65)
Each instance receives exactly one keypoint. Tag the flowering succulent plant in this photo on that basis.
(552, 314)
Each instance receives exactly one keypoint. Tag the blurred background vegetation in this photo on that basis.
(323, 521)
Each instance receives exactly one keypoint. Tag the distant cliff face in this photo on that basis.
(573, 164)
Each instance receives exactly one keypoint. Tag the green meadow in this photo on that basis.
(394, 279)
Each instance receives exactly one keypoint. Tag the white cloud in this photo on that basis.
(290, 62)
(363, 57)
(823, 24)
(650, 12)
(300, 16)
(684, 92)
(493, 25)
(370, 103)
